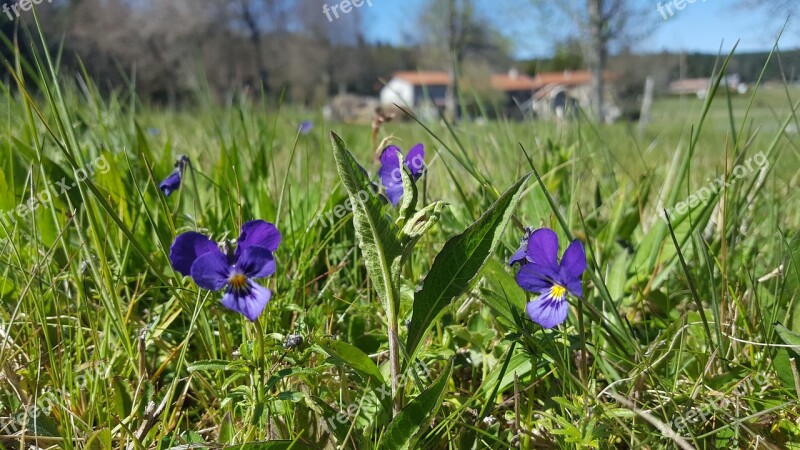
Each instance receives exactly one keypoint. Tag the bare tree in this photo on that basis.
(330, 52)
(597, 56)
(259, 19)
(454, 31)
(250, 17)
(601, 22)
(150, 38)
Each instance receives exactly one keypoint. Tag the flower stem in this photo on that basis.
(394, 364)
(260, 360)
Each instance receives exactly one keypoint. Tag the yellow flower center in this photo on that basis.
(238, 281)
(558, 292)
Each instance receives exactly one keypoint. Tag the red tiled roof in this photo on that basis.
(507, 82)
(568, 78)
(424, 78)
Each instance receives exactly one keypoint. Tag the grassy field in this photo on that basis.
(684, 336)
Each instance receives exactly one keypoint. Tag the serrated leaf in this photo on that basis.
(458, 263)
(404, 430)
(378, 237)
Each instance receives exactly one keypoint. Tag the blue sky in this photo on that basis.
(701, 26)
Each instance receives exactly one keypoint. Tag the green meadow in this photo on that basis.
(396, 327)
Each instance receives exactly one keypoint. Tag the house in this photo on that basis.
(547, 95)
(518, 89)
(417, 90)
(690, 86)
(561, 94)
(700, 86)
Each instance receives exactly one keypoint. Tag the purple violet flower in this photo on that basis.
(390, 169)
(173, 181)
(193, 254)
(305, 127)
(521, 255)
(551, 279)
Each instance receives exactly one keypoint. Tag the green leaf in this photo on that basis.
(192, 438)
(458, 263)
(792, 286)
(122, 397)
(408, 202)
(519, 364)
(227, 431)
(100, 440)
(7, 200)
(378, 237)
(291, 396)
(404, 430)
(213, 365)
(422, 222)
(504, 293)
(43, 426)
(412, 232)
(789, 337)
(354, 358)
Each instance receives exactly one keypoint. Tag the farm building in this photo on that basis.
(560, 95)
(700, 86)
(518, 89)
(417, 90)
(547, 95)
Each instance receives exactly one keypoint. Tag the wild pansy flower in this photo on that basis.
(193, 254)
(305, 127)
(543, 274)
(390, 169)
(173, 181)
(521, 255)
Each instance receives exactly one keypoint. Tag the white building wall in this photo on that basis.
(398, 91)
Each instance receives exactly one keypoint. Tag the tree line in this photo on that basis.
(170, 50)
